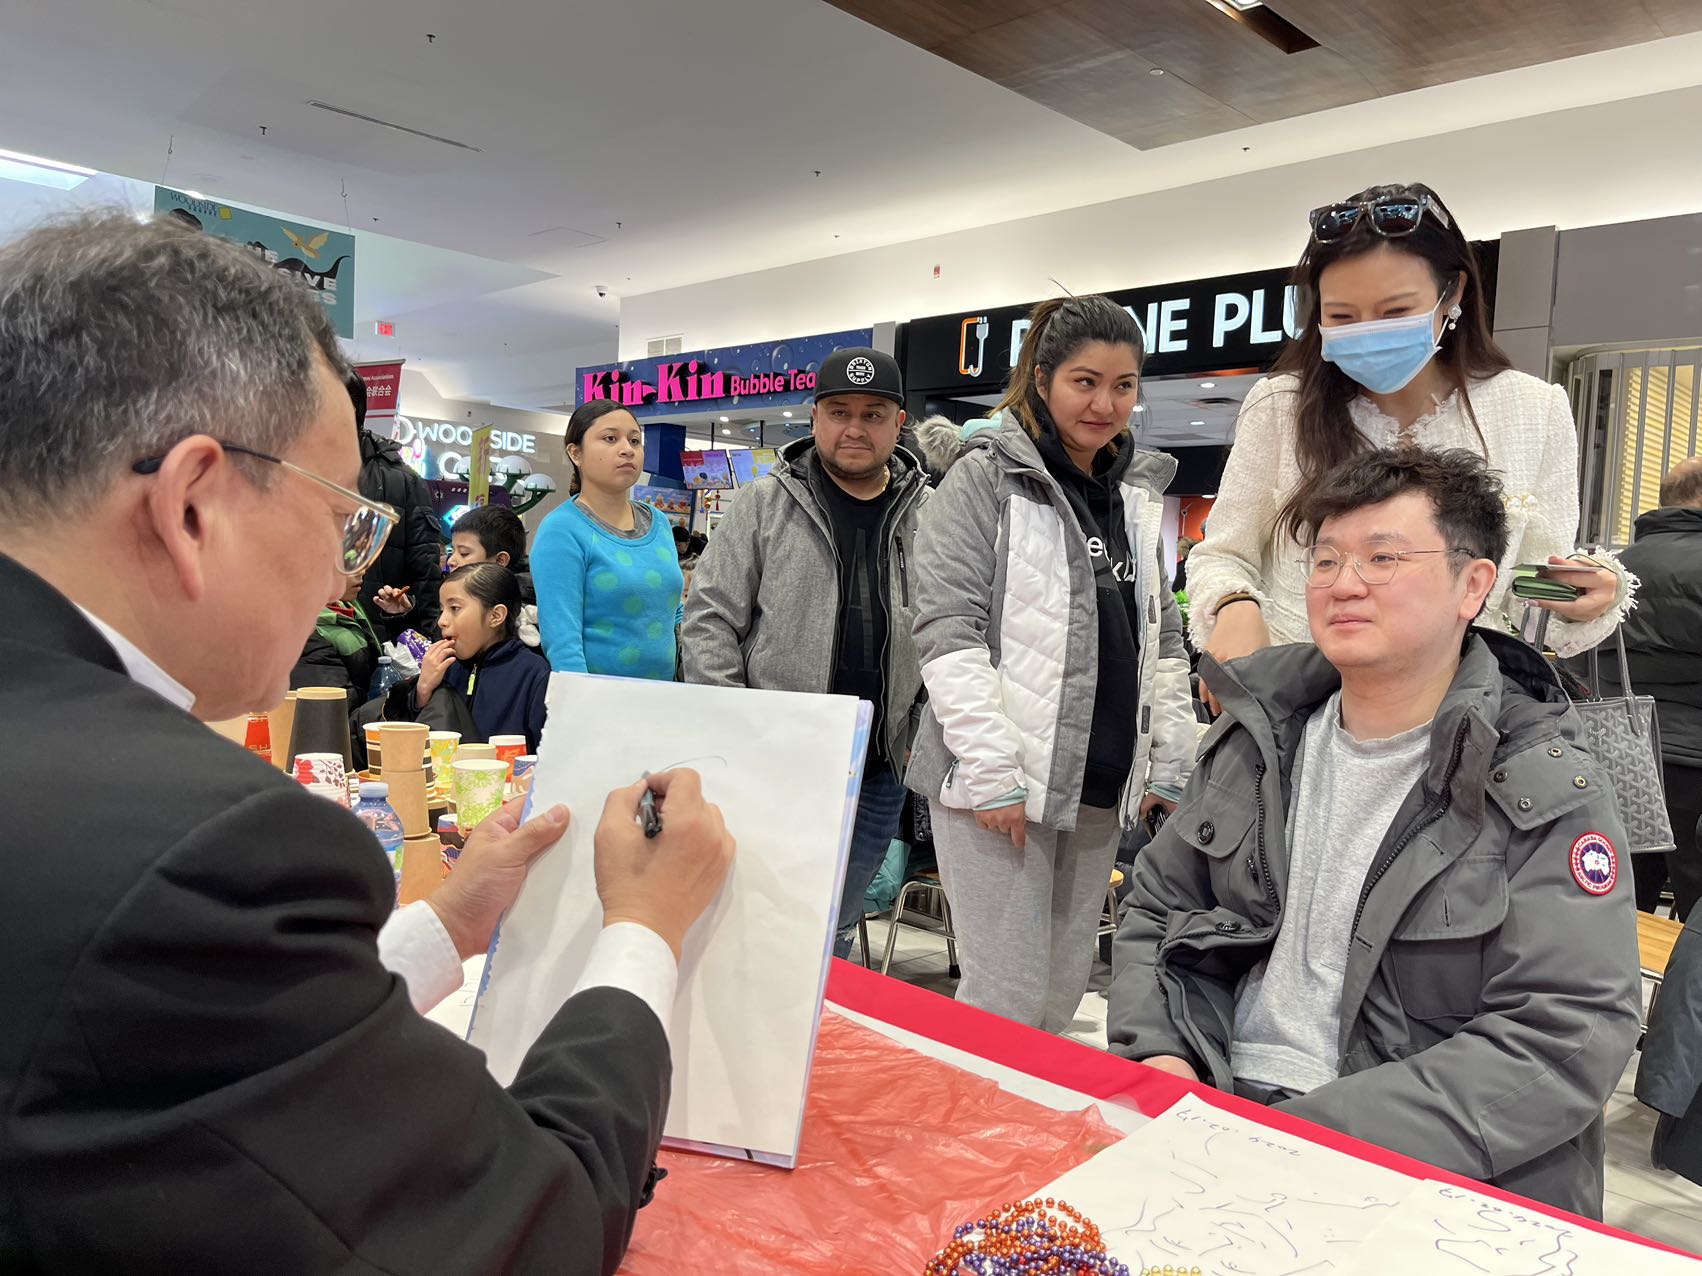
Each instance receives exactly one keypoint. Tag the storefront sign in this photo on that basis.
(768, 374)
(443, 450)
(1210, 325)
(1225, 324)
(323, 260)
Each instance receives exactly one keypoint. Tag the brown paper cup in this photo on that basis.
(408, 797)
(476, 752)
(422, 867)
(404, 745)
(282, 721)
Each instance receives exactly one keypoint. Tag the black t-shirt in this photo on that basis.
(1097, 500)
(858, 671)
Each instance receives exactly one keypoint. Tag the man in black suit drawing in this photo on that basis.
(210, 1055)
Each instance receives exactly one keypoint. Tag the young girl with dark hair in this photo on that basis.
(480, 673)
(1058, 702)
(605, 566)
(1395, 349)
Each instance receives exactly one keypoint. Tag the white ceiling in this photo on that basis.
(639, 146)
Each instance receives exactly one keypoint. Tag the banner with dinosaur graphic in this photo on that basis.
(323, 260)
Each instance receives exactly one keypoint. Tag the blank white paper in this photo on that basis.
(784, 769)
(1201, 1187)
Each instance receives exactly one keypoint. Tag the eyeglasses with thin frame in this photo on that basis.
(365, 528)
(1392, 216)
(1375, 566)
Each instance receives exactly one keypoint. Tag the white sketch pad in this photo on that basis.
(1449, 1231)
(785, 770)
(1201, 1187)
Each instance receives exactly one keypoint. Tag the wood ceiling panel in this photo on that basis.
(1090, 59)
(1399, 47)
(1060, 61)
(1254, 79)
(930, 23)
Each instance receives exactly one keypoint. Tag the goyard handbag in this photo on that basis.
(1624, 737)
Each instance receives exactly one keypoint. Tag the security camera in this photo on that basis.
(602, 291)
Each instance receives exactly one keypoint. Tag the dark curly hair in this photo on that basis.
(1465, 494)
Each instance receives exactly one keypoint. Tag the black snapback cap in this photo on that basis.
(860, 370)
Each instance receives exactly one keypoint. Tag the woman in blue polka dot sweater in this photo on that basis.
(606, 570)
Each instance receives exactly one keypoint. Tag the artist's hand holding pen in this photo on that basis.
(667, 880)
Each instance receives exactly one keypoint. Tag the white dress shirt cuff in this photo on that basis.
(634, 958)
(414, 945)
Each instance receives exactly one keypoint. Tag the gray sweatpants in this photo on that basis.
(1026, 920)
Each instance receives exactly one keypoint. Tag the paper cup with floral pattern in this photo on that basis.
(478, 790)
(322, 768)
(444, 745)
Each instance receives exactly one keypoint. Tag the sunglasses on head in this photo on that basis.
(1391, 216)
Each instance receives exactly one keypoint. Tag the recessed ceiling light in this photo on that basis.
(1140, 407)
(1157, 70)
(726, 418)
(1245, 5)
(1196, 423)
(1208, 385)
(787, 415)
(54, 174)
(726, 431)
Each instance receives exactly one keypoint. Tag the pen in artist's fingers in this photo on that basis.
(647, 811)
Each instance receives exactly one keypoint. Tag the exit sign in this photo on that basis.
(384, 328)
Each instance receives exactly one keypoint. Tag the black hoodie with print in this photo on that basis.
(1097, 500)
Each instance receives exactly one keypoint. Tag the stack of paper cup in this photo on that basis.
(422, 867)
(374, 746)
(404, 745)
(478, 790)
(508, 747)
(322, 723)
(443, 745)
(404, 771)
(474, 752)
(325, 774)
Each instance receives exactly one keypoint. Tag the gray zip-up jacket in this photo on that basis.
(1491, 995)
(1007, 630)
(764, 605)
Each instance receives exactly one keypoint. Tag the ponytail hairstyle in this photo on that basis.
(579, 425)
(1324, 433)
(1057, 329)
(494, 586)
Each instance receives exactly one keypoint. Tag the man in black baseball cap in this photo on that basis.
(838, 511)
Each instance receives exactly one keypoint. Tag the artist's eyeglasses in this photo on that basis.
(365, 528)
(1391, 216)
(1376, 565)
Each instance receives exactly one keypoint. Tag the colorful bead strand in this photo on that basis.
(1027, 1238)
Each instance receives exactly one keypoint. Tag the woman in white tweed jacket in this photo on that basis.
(1396, 349)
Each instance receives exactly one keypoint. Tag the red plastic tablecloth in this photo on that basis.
(898, 1149)
(1104, 1076)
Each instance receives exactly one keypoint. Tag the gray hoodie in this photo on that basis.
(764, 605)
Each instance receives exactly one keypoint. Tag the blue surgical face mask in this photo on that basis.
(1383, 355)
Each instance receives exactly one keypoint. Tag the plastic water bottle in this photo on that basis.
(374, 810)
(385, 677)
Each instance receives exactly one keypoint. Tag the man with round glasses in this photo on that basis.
(1394, 900)
(207, 1061)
